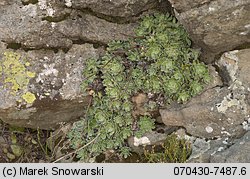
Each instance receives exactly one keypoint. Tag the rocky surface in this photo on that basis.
(222, 150)
(44, 44)
(43, 48)
(41, 88)
(217, 122)
(30, 27)
(221, 109)
(118, 8)
(238, 152)
(215, 25)
(150, 139)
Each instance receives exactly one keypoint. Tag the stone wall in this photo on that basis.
(216, 26)
(44, 45)
(43, 48)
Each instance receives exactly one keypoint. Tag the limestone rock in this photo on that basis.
(149, 139)
(182, 6)
(215, 25)
(39, 26)
(199, 147)
(203, 150)
(43, 46)
(41, 88)
(218, 111)
(87, 28)
(120, 8)
(22, 25)
(237, 153)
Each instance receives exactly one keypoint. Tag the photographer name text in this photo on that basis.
(51, 171)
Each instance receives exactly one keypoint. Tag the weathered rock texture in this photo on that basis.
(221, 109)
(51, 94)
(237, 153)
(44, 43)
(225, 150)
(120, 8)
(215, 25)
(43, 47)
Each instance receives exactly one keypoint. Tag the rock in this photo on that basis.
(21, 26)
(3, 2)
(118, 8)
(44, 44)
(215, 25)
(203, 150)
(218, 111)
(243, 68)
(139, 101)
(149, 139)
(182, 6)
(88, 28)
(237, 153)
(199, 147)
(41, 88)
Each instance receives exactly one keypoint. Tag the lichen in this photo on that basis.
(236, 97)
(29, 97)
(15, 76)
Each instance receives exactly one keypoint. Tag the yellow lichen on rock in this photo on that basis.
(30, 74)
(29, 97)
(16, 76)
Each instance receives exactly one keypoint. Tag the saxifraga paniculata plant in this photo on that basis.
(159, 60)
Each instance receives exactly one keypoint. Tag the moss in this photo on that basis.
(16, 76)
(173, 150)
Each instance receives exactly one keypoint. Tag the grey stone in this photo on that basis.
(54, 87)
(151, 138)
(23, 25)
(215, 25)
(243, 65)
(199, 146)
(237, 153)
(43, 26)
(120, 8)
(181, 5)
(203, 150)
(88, 28)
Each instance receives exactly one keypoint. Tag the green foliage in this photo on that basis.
(159, 60)
(173, 150)
(145, 124)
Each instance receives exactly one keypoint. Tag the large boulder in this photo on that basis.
(215, 25)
